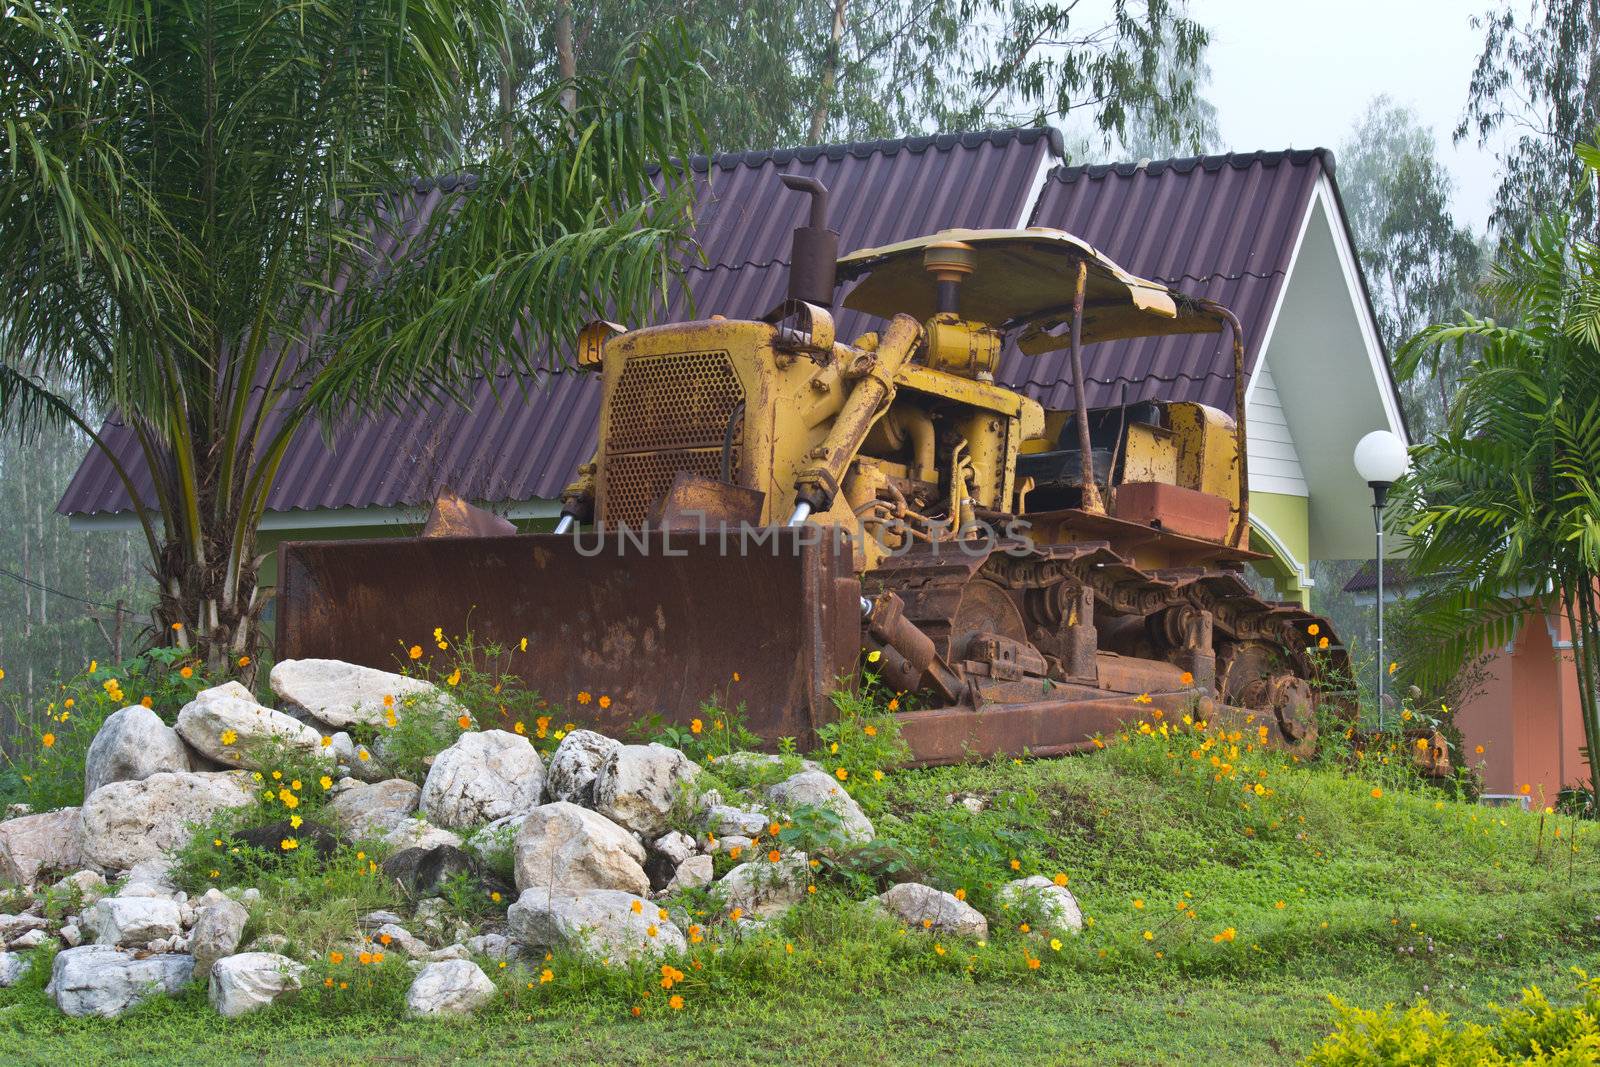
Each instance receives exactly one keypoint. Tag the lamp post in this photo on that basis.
(1380, 460)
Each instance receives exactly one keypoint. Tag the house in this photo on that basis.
(1263, 233)
(1519, 704)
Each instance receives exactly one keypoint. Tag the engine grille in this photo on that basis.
(666, 414)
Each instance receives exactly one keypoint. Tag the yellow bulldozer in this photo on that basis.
(772, 504)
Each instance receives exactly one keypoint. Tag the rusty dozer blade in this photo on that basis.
(658, 622)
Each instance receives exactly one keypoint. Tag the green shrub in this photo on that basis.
(1533, 1031)
(46, 766)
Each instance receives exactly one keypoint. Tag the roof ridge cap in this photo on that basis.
(1185, 164)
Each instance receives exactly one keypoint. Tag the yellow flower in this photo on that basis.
(519, 728)
(605, 702)
(1526, 789)
(652, 930)
(841, 774)
(1186, 678)
(675, 1002)
(1322, 642)
(415, 651)
(1138, 905)
(960, 894)
(495, 896)
(67, 703)
(1313, 629)
(336, 958)
(939, 949)
(295, 821)
(177, 626)
(455, 677)
(894, 705)
(143, 701)
(1377, 794)
(465, 722)
(1226, 935)
(733, 853)
(1148, 936)
(874, 656)
(1055, 944)
(877, 776)
(584, 697)
(187, 672)
(3, 673)
(295, 784)
(696, 726)
(870, 730)
(1060, 879)
(1016, 865)
(326, 741)
(1280, 905)
(547, 975)
(1393, 667)
(291, 801)
(325, 782)
(1142, 698)
(636, 907)
(522, 646)
(244, 661)
(277, 776)
(736, 676)
(735, 914)
(47, 740)
(1422, 742)
(288, 844)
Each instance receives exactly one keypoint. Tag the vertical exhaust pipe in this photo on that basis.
(814, 255)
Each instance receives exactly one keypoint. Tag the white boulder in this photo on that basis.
(637, 785)
(819, 790)
(692, 873)
(13, 966)
(133, 743)
(125, 823)
(923, 907)
(449, 987)
(133, 922)
(34, 843)
(604, 924)
(419, 833)
(574, 765)
(251, 981)
(226, 724)
(484, 776)
(218, 930)
(105, 981)
(1049, 906)
(569, 849)
(373, 810)
(762, 888)
(345, 694)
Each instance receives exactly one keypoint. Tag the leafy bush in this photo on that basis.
(45, 767)
(1533, 1031)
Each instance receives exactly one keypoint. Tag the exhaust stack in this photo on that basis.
(813, 257)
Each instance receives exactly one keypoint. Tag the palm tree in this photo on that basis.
(1505, 503)
(203, 209)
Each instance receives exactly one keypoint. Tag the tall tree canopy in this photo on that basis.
(805, 71)
(203, 219)
(1421, 266)
(1537, 84)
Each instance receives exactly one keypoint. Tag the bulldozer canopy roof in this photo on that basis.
(1025, 279)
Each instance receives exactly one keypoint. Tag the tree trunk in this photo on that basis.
(566, 57)
(830, 75)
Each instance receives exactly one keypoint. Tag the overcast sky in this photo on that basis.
(1292, 73)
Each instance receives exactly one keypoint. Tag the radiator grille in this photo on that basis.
(667, 414)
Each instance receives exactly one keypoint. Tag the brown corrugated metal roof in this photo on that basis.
(1221, 227)
(1218, 226)
(530, 444)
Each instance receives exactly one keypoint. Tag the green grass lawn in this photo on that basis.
(1325, 887)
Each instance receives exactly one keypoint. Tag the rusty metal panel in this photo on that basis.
(657, 630)
(1174, 508)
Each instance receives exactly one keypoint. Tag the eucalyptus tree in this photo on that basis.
(1503, 506)
(207, 224)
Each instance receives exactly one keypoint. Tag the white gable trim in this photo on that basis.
(1277, 304)
(1358, 303)
(1048, 161)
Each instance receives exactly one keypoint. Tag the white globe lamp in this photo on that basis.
(1381, 460)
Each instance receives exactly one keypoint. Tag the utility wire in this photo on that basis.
(57, 592)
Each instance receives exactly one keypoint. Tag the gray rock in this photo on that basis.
(731, 842)
(692, 873)
(14, 926)
(30, 940)
(485, 775)
(71, 935)
(449, 952)
(601, 923)
(423, 872)
(494, 946)
(344, 694)
(374, 919)
(764, 889)
(132, 922)
(218, 931)
(570, 849)
(818, 790)
(451, 987)
(125, 823)
(250, 981)
(34, 843)
(723, 819)
(150, 878)
(675, 846)
(89, 886)
(419, 833)
(105, 981)
(229, 711)
(400, 940)
(637, 785)
(1051, 907)
(923, 907)
(574, 765)
(374, 810)
(13, 965)
(132, 744)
